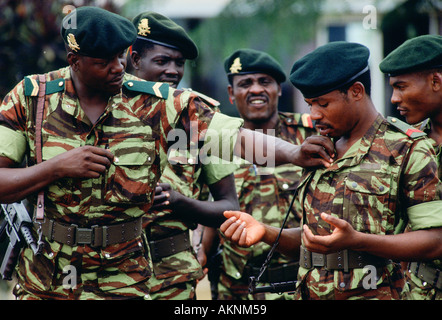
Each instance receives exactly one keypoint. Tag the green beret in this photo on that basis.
(161, 30)
(329, 68)
(420, 53)
(97, 33)
(244, 61)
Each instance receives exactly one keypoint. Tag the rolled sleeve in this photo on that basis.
(12, 144)
(425, 215)
(221, 136)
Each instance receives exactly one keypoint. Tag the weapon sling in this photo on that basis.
(274, 287)
(38, 141)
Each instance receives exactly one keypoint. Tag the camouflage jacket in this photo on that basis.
(191, 178)
(134, 127)
(266, 194)
(383, 182)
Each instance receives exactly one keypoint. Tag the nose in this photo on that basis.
(315, 114)
(256, 88)
(118, 65)
(395, 97)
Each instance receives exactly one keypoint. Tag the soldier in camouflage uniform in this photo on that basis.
(159, 55)
(353, 211)
(104, 144)
(415, 70)
(265, 193)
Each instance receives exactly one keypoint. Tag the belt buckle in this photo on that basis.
(318, 260)
(84, 236)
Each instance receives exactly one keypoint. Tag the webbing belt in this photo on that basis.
(342, 260)
(96, 236)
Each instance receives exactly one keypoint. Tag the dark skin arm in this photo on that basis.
(315, 151)
(84, 162)
(410, 246)
(208, 213)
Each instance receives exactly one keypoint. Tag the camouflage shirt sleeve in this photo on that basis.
(13, 124)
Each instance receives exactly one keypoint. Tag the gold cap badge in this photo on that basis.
(72, 43)
(143, 27)
(236, 66)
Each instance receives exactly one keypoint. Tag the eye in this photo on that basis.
(323, 105)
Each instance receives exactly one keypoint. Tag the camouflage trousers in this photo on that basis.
(177, 291)
(419, 290)
(322, 284)
(82, 272)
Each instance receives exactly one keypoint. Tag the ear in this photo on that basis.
(73, 60)
(230, 92)
(279, 90)
(357, 90)
(436, 78)
(135, 59)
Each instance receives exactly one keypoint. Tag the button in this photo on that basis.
(107, 255)
(149, 159)
(354, 184)
(381, 188)
(130, 84)
(116, 160)
(285, 186)
(342, 284)
(51, 255)
(190, 161)
(60, 84)
(393, 120)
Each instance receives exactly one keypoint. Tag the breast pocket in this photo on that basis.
(366, 201)
(131, 178)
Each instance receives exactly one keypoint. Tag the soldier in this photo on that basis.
(384, 171)
(415, 71)
(265, 193)
(95, 153)
(159, 54)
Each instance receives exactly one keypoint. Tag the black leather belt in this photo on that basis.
(342, 260)
(169, 246)
(280, 273)
(95, 236)
(429, 274)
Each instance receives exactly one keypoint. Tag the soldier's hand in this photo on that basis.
(242, 229)
(315, 151)
(165, 197)
(83, 162)
(342, 237)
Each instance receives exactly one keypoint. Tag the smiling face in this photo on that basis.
(159, 64)
(256, 97)
(417, 95)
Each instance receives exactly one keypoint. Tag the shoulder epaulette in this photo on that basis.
(298, 119)
(159, 89)
(208, 100)
(404, 127)
(32, 86)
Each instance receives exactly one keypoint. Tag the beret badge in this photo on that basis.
(72, 42)
(236, 66)
(143, 27)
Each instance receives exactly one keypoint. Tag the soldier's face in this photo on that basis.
(334, 115)
(101, 74)
(417, 96)
(159, 64)
(256, 96)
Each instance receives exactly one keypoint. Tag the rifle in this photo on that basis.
(18, 226)
(274, 287)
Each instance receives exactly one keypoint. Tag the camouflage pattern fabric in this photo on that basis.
(363, 188)
(134, 127)
(266, 194)
(191, 178)
(419, 289)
